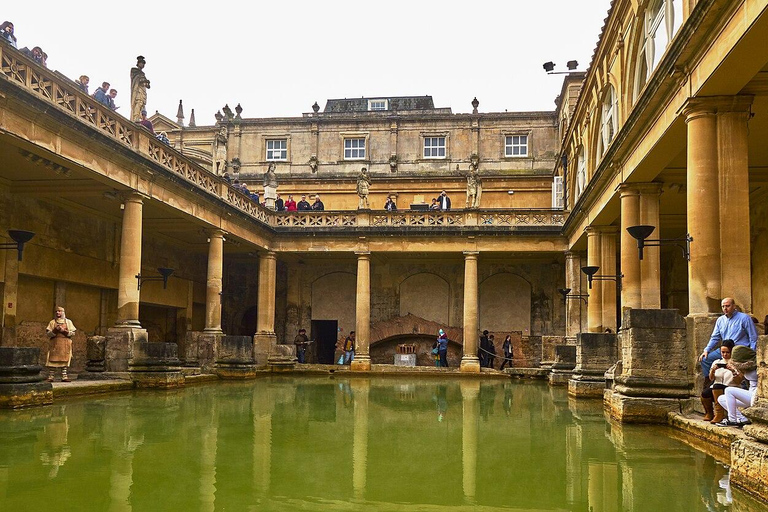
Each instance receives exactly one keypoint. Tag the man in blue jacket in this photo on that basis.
(733, 325)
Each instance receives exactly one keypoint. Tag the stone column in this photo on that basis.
(362, 360)
(703, 205)
(10, 299)
(631, 294)
(470, 391)
(469, 361)
(650, 267)
(732, 142)
(595, 305)
(608, 268)
(265, 319)
(130, 262)
(595, 353)
(213, 282)
(573, 307)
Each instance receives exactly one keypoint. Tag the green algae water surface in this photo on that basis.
(341, 444)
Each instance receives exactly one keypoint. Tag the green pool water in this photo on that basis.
(320, 443)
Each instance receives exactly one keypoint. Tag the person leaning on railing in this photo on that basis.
(6, 31)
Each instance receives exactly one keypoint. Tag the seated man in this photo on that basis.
(733, 325)
(744, 361)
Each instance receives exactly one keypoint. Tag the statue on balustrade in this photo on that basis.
(139, 86)
(270, 186)
(220, 151)
(363, 186)
(474, 183)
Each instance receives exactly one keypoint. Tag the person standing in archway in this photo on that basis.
(60, 331)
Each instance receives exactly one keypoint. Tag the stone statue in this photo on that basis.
(474, 184)
(363, 186)
(270, 186)
(220, 151)
(139, 86)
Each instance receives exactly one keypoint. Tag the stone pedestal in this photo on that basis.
(595, 354)
(699, 329)
(562, 369)
(749, 457)
(235, 357)
(95, 350)
(199, 351)
(21, 383)
(548, 344)
(155, 365)
(119, 345)
(654, 374)
(283, 358)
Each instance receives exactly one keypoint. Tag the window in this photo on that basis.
(434, 147)
(608, 120)
(377, 104)
(557, 193)
(516, 145)
(662, 21)
(354, 149)
(277, 149)
(581, 176)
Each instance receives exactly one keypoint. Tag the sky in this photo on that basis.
(277, 58)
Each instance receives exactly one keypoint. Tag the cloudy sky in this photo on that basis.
(278, 58)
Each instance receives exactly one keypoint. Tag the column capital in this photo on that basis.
(630, 189)
(572, 255)
(216, 233)
(601, 230)
(133, 196)
(711, 105)
(469, 255)
(268, 255)
(362, 255)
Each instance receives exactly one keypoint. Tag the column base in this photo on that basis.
(234, 360)
(21, 382)
(699, 329)
(469, 365)
(199, 350)
(559, 377)
(155, 365)
(360, 364)
(748, 462)
(631, 409)
(578, 388)
(118, 348)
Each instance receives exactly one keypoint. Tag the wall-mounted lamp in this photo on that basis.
(641, 233)
(565, 291)
(591, 271)
(19, 238)
(165, 273)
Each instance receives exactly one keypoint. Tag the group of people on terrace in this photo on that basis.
(729, 368)
(36, 53)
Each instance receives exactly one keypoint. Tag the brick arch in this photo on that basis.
(410, 325)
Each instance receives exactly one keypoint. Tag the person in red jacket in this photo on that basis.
(290, 204)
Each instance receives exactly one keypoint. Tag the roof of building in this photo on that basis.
(394, 103)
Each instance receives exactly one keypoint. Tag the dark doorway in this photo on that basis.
(324, 332)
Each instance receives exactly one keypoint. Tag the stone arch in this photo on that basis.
(426, 295)
(505, 303)
(413, 330)
(333, 298)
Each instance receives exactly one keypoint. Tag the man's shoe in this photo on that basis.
(727, 423)
(742, 423)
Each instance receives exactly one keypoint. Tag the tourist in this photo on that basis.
(82, 83)
(732, 325)
(6, 31)
(482, 350)
(60, 331)
(442, 348)
(435, 205)
(36, 54)
(444, 201)
(290, 204)
(744, 362)
(146, 123)
(349, 348)
(506, 347)
(100, 94)
(491, 356)
(390, 205)
(301, 342)
(721, 377)
(279, 204)
(111, 98)
(303, 205)
(163, 137)
(318, 204)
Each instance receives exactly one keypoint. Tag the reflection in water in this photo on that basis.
(317, 443)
